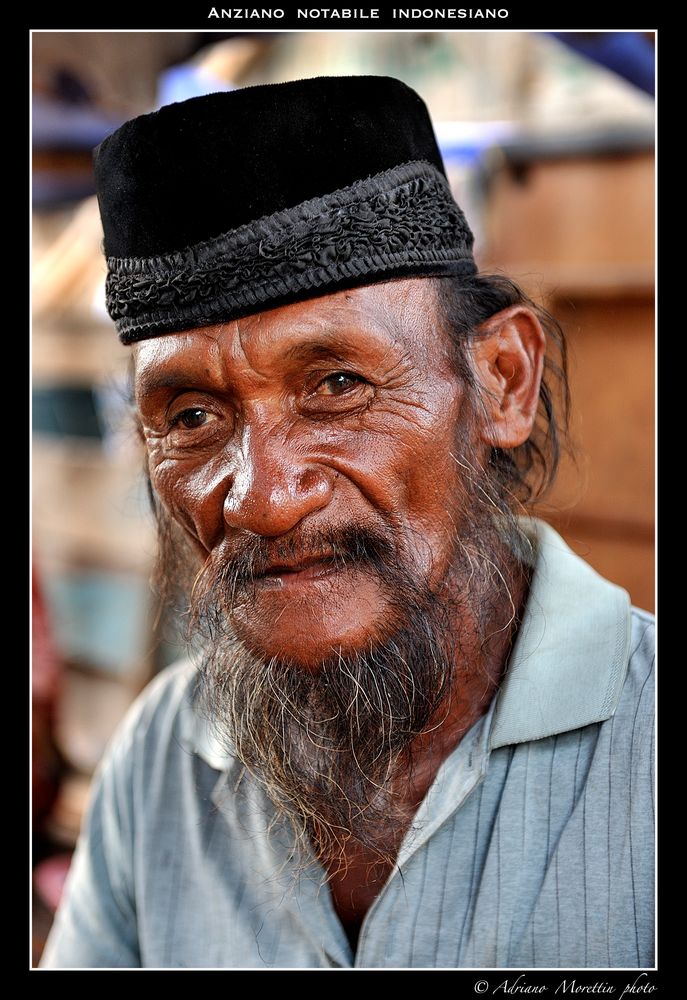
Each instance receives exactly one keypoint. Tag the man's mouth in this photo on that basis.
(282, 574)
(279, 594)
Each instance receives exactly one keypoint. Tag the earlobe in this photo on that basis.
(508, 357)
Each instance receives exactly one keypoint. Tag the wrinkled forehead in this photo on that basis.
(397, 317)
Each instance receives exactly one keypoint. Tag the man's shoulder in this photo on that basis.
(633, 722)
(642, 654)
(163, 714)
(642, 619)
(166, 728)
(171, 690)
(173, 683)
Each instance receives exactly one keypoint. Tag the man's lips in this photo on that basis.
(280, 574)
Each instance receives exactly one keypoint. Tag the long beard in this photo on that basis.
(329, 746)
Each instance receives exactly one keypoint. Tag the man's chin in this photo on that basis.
(307, 621)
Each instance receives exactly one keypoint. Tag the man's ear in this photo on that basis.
(508, 358)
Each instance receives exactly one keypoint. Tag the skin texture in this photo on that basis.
(337, 412)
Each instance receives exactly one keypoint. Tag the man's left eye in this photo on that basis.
(338, 383)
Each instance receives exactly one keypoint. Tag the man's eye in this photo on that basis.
(192, 418)
(338, 383)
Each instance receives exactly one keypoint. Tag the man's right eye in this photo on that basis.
(192, 418)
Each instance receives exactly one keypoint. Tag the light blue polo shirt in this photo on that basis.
(532, 848)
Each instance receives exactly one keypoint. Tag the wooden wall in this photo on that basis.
(578, 233)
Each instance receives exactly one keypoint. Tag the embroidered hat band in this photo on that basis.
(205, 168)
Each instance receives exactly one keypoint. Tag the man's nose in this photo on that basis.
(274, 486)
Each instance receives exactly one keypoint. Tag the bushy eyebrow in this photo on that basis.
(338, 348)
(152, 381)
(310, 349)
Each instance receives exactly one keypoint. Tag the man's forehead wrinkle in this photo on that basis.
(296, 334)
(251, 345)
(213, 333)
(337, 324)
(242, 331)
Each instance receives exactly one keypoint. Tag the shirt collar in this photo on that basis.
(571, 652)
(569, 658)
(202, 738)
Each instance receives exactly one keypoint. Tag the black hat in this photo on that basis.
(236, 202)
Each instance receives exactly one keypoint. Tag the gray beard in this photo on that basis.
(328, 745)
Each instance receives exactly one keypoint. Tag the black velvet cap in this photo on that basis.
(236, 202)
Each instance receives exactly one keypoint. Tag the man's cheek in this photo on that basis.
(194, 498)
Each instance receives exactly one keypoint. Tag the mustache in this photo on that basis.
(247, 559)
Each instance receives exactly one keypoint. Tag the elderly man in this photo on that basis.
(415, 729)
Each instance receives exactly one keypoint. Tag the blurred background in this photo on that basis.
(548, 142)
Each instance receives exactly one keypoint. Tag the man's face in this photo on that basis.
(272, 436)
